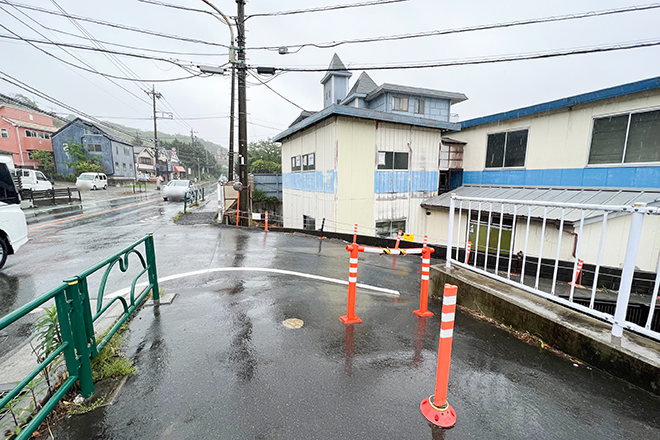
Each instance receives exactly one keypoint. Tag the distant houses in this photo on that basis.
(23, 131)
(116, 154)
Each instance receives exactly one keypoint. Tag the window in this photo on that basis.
(40, 176)
(400, 103)
(94, 148)
(419, 106)
(116, 149)
(309, 223)
(390, 228)
(31, 118)
(390, 160)
(4, 133)
(308, 162)
(481, 225)
(47, 136)
(124, 167)
(296, 163)
(117, 166)
(628, 138)
(30, 155)
(145, 160)
(29, 133)
(127, 151)
(42, 135)
(506, 149)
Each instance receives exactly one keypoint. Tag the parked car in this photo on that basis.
(92, 181)
(34, 180)
(13, 226)
(177, 189)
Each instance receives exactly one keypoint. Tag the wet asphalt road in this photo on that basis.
(63, 245)
(218, 363)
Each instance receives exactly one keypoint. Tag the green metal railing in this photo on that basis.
(76, 323)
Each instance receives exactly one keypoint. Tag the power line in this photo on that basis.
(272, 14)
(326, 8)
(503, 59)
(277, 93)
(112, 25)
(297, 47)
(32, 107)
(64, 50)
(94, 49)
(16, 82)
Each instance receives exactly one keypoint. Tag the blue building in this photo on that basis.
(116, 154)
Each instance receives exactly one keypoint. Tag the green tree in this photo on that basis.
(44, 159)
(83, 163)
(137, 140)
(265, 151)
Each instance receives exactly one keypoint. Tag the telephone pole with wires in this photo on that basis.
(155, 95)
(242, 114)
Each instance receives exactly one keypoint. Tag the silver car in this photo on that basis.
(177, 189)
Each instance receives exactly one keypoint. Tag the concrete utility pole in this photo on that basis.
(230, 176)
(155, 95)
(242, 113)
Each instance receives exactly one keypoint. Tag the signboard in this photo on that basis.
(157, 165)
(408, 237)
(256, 216)
(173, 149)
(381, 158)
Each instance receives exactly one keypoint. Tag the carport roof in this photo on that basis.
(588, 196)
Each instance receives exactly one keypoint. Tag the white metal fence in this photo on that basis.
(541, 266)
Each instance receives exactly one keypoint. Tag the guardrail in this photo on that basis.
(562, 237)
(50, 194)
(76, 323)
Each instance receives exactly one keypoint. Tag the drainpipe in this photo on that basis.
(20, 146)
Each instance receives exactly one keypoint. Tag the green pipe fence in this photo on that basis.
(76, 323)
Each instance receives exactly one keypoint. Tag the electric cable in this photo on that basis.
(274, 91)
(113, 25)
(550, 19)
(476, 61)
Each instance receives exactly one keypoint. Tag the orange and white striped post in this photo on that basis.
(580, 263)
(355, 234)
(396, 246)
(350, 317)
(467, 251)
(424, 291)
(238, 209)
(266, 221)
(436, 409)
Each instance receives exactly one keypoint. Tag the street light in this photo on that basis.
(232, 55)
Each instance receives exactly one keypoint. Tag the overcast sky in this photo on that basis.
(202, 103)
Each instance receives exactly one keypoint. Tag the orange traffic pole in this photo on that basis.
(350, 317)
(436, 409)
(266, 221)
(577, 273)
(467, 252)
(355, 234)
(424, 292)
(238, 209)
(396, 246)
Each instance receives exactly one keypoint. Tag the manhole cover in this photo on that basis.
(293, 323)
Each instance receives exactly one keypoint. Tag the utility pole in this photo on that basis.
(242, 113)
(155, 95)
(230, 176)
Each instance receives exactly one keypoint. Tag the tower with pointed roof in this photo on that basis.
(335, 82)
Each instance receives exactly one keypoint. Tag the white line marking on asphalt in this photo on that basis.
(377, 290)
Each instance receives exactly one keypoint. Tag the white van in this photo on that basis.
(34, 180)
(93, 181)
(13, 227)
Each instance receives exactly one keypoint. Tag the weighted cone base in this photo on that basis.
(346, 320)
(444, 417)
(425, 314)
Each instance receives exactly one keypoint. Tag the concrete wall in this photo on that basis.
(558, 148)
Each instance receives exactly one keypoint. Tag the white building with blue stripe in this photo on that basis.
(370, 157)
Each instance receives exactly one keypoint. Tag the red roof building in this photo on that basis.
(23, 131)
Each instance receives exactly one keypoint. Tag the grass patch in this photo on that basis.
(179, 214)
(111, 362)
(85, 407)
